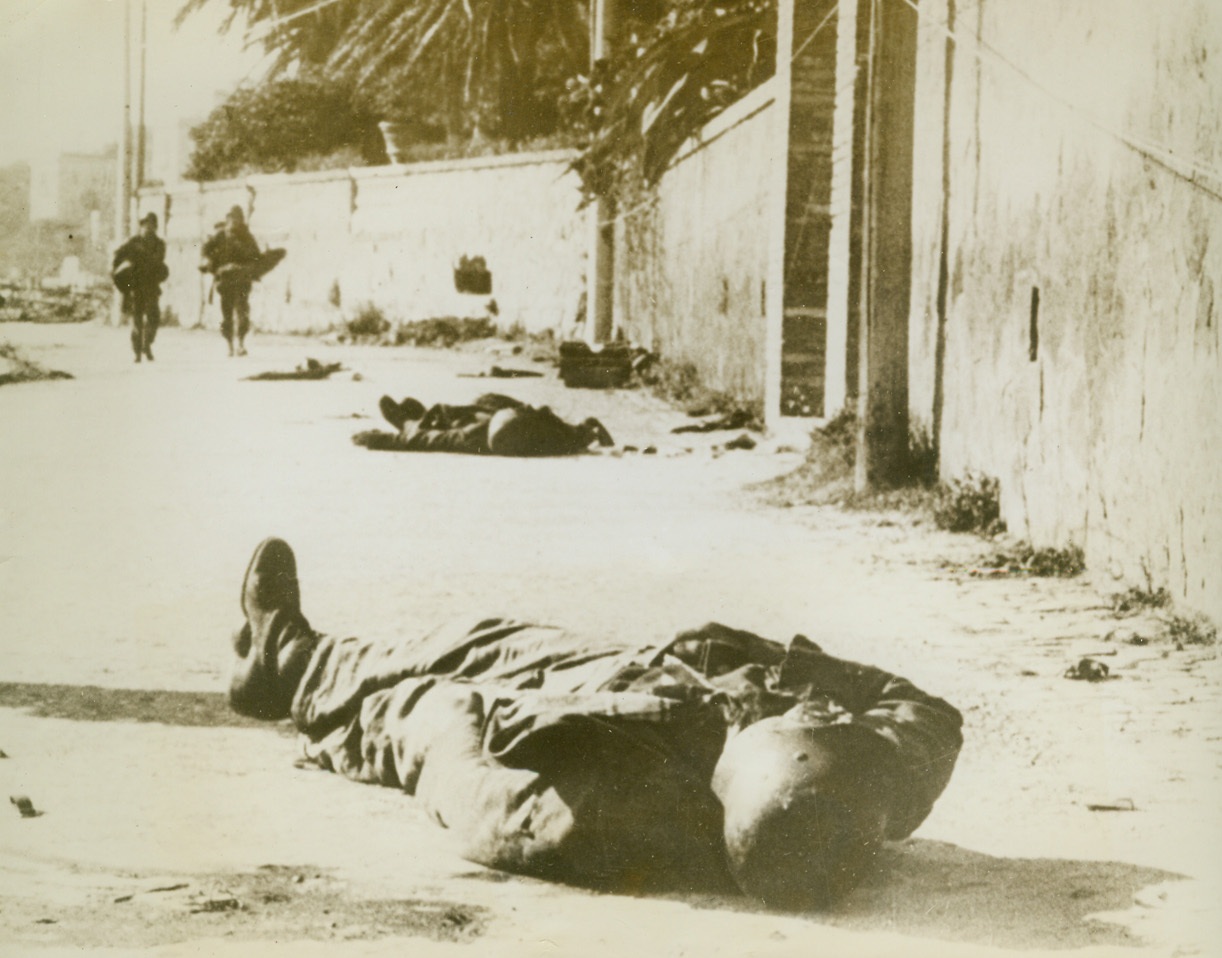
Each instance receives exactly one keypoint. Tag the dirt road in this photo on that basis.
(131, 497)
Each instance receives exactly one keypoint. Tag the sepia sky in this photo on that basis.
(61, 71)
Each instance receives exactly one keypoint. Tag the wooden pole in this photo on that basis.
(141, 131)
(600, 269)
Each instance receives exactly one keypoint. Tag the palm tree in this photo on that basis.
(494, 64)
(295, 34)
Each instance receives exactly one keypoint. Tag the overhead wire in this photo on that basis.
(1186, 169)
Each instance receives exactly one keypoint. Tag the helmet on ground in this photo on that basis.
(805, 808)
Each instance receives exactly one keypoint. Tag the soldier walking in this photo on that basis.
(138, 270)
(232, 256)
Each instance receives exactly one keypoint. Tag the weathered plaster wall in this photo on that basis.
(1100, 413)
(691, 266)
(389, 236)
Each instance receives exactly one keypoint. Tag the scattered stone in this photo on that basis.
(649, 451)
(743, 441)
(1088, 670)
(3, 753)
(24, 806)
(631, 449)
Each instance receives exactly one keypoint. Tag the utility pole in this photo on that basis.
(123, 210)
(600, 270)
(141, 131)
(123, 177)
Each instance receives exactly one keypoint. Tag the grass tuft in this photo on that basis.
(444, 332)
(1045, 562)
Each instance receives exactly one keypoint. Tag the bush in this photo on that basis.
(276, 126)
(680, 384)
(1191, 630)
(369, 322)
(445, 331)
(971, 504)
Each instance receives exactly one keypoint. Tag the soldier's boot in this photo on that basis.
(276, 643)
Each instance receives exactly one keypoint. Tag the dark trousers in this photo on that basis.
(235, 305)
(144, 307)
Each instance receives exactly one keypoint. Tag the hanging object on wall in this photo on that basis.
(471, 275)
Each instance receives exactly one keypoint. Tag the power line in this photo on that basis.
(1185, 169)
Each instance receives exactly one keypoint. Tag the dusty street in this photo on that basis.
(131, 497)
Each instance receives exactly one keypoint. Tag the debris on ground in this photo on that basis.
(503, 372)
(1119, 805)
(16, 368)
(605, 366)
(1088, 670)
(313, 369)
(444, 331)
(24, 806)
(1127, 637)
(743, 441)
(25, 305)
(734, 419)
(220, 904)
(1024, 559)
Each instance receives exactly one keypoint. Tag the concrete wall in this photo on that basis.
(1097, 406)
(389, 236)
(691, 266)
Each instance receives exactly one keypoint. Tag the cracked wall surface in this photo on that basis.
(390, 236)
(1082, 267)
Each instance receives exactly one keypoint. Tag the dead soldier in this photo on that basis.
(715, 760)
(491, 425)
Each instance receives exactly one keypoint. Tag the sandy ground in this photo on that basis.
(131, 497)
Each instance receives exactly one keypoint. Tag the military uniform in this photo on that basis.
(138, 270)
(231, 255)
(555, 756)
(493, 424)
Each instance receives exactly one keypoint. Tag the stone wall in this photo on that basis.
(691, 264)
(389, 236)
(1065, 310)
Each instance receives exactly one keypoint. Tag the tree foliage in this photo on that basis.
(282, 126)
(496, 64)
(668, 81)
(503, 66)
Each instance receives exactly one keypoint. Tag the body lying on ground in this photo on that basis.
(717, 759)
(493, 424)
